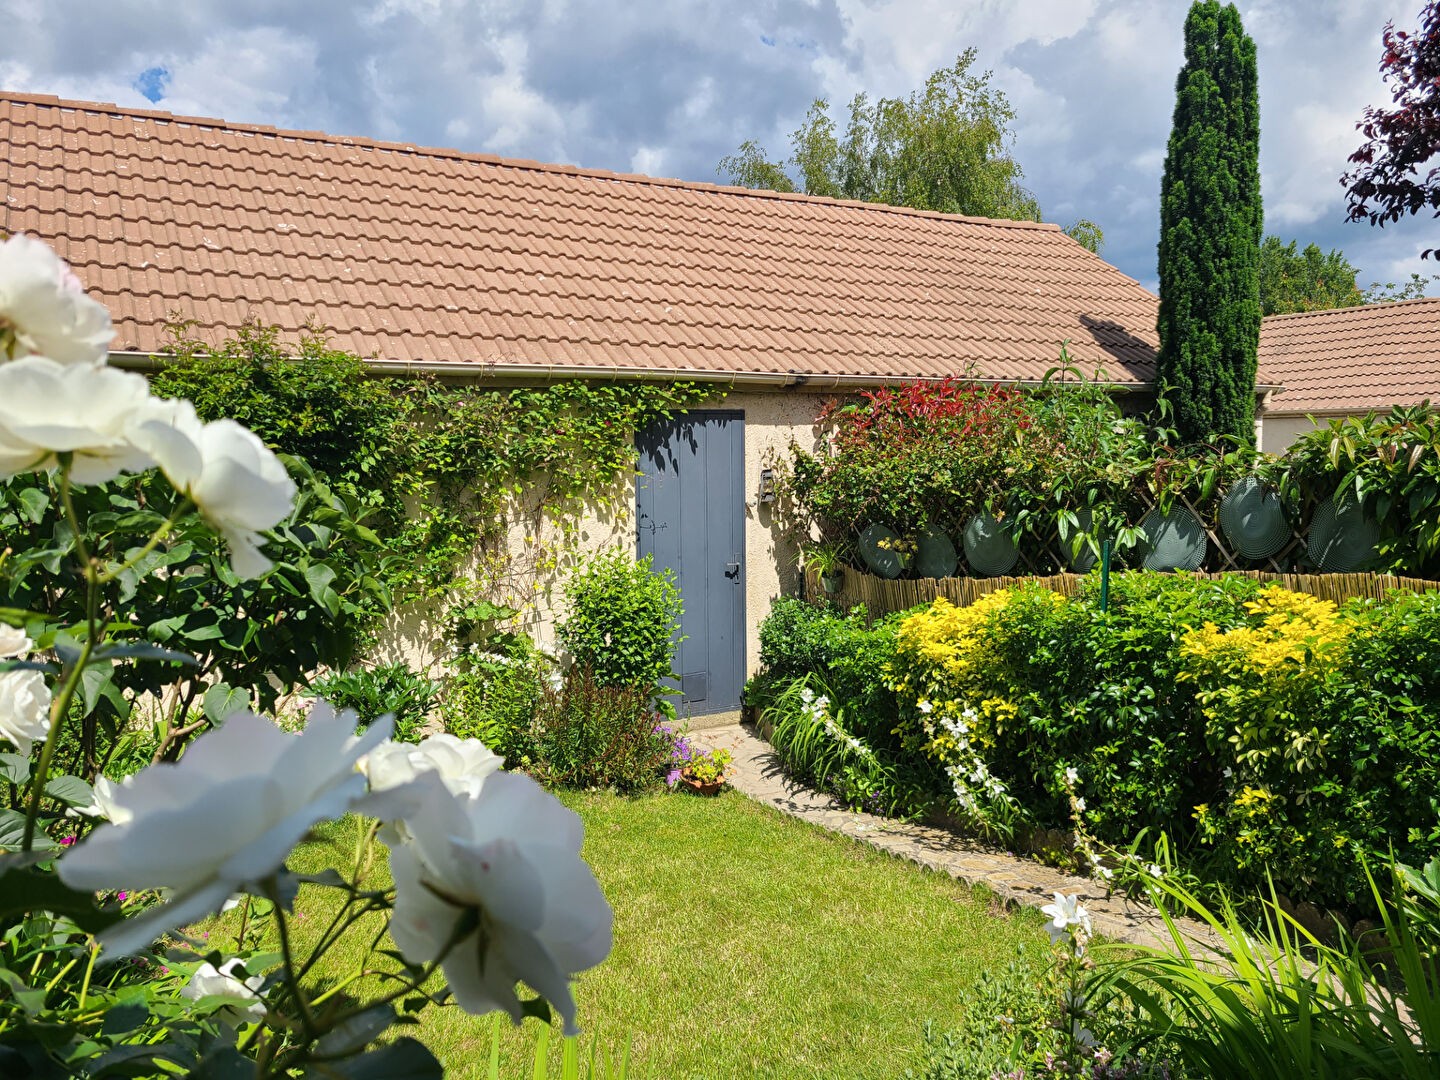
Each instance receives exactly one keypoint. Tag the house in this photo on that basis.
(500, 272)
(1347, 362)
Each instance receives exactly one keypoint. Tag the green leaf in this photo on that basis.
(404, 1059)
(70, 790)
(140, 650)
(26, 889)
(123, 1018)
(34, 503)
(221, 700)
(356, 1033)
(12, 836)
(14, 768)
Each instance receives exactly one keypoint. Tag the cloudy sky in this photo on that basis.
(671, 86)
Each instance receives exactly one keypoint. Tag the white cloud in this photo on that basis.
(673, 87)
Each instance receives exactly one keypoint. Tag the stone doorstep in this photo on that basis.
(756, 773)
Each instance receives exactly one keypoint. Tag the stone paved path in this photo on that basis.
(756, 772)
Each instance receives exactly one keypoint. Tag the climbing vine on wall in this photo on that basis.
(445, 465)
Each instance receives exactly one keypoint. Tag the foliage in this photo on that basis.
(707, 766)
(944, 148)
(1390, 291)
(1210, 223)
(1057, 460)
(492, 695)
(589, 734)
(1063, 461)
(1279, 1002)
(1389, 462)
(251, 640)
(845, 649)
(1308, 280)
(437, 465)
(601, 1067)
(1245, 729)
(387, 689)
(622, 621)
(1386, 183)
(136, 532)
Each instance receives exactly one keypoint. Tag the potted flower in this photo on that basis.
(829, 562)
(704, 774)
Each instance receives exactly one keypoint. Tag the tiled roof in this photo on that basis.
(1354, 359)
(413, 255)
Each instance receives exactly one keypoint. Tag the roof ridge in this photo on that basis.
(110, 108)
(1353, 308)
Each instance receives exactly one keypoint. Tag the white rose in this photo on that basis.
(235, 479)
(223, 982)
(105, 804)
(47, 408)
(510, 860)
(222, 818)
(13, 641)
(45, 307)
(24, 709)
(461, 764)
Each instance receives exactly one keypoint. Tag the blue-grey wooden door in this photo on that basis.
(690, 513)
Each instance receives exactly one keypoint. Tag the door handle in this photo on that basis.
(732, 570)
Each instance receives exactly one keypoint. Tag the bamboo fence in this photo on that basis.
(882, 595)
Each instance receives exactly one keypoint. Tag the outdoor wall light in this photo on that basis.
(765, 493)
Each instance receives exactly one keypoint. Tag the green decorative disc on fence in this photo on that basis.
(989, 547)
(882, 561)
(1342, 539)
(935, 557)
(1253, 520)
(1173, 541)
(1084, 560)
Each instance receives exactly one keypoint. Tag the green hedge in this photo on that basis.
(1264, 732)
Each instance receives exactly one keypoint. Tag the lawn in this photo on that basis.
(747, 944)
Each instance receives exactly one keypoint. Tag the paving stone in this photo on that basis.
(756, 773)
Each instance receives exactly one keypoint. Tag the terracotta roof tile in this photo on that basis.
(1354, 359)
(431, 255)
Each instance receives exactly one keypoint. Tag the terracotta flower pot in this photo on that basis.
(703, 787)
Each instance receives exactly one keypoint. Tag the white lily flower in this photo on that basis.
(44, 306)
(235, 480)
(48, 408)
(224, 982)
(506, 865)
(221, 819)
(1065, 912)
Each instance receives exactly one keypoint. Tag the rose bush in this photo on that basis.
(489, 884)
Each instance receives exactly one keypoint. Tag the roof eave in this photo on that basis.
(558, 372)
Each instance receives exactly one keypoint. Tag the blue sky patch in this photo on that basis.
(152, 83)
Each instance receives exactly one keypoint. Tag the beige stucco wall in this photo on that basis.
(540, 557)
(1279, 430)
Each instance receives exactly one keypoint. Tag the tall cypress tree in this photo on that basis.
(1210, 225)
